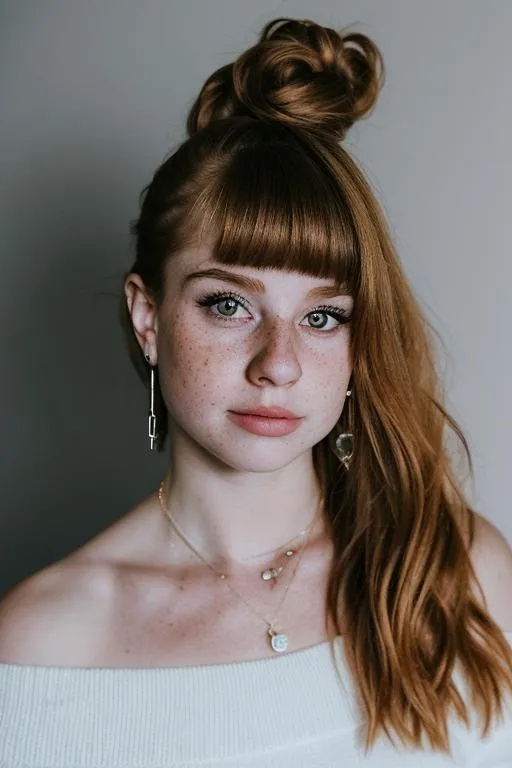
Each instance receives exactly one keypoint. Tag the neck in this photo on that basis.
(238, 517)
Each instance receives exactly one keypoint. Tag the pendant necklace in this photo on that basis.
(271, 574)
(278, 639)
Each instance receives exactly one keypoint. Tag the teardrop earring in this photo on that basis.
(344, 446)
(152, 433)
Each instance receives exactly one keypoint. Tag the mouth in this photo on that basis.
(273, 412)
(261, 423)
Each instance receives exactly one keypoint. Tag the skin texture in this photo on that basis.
(235, 493)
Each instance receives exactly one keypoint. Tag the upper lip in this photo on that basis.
(273, 412)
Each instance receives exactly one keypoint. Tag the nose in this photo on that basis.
(275, 361)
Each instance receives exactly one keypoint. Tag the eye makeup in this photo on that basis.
(211, 299)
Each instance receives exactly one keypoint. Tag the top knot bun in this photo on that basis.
(299, 73)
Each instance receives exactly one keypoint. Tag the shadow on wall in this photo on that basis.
(75, 452)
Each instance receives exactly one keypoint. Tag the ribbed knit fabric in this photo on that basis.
(290, 711)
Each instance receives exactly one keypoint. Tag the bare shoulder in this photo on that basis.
(55, 617)
(491, 556)
(68, 613)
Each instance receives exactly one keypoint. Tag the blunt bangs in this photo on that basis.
(273, 206)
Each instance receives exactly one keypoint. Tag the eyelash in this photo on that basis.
(210, 299)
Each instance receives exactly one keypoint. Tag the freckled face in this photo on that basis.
(224, 347)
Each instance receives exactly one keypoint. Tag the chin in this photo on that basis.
(266, 455)
(262, 465)
(248, 453)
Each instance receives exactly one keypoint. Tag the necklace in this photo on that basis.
(271, 574)
(278, 640)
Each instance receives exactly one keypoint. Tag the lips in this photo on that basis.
(267, 422)
(273, 412)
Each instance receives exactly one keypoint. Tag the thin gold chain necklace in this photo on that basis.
(287, 551)
(271, 574)
(278, 640)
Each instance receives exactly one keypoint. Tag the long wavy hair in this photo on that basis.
(264, 177)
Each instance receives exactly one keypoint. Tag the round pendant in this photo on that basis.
(271, 573)
(279, 642)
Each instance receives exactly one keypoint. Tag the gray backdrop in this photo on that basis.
(94, 94)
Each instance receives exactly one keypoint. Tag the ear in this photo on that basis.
(142, 309)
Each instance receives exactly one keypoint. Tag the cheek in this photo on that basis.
(329, 375)
(332, 362)
(193, 368)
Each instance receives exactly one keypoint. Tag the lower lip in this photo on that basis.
(261, 425)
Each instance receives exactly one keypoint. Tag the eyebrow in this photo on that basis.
(256, 286)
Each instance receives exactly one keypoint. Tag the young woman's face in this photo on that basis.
(227, 346)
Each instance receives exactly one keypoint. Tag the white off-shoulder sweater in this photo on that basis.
(288, 711)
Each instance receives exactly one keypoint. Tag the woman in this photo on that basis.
(308, 585)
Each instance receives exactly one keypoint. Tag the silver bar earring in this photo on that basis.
(152, 416)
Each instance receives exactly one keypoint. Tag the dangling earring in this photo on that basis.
(152, 416)
(344, 449)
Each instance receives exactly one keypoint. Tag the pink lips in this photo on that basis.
(269, 422)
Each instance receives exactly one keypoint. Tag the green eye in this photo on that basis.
(231, 309)
(318, 315)
(221, 297)
(341, 317)
(232, 301)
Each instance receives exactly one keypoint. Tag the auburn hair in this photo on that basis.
(263, 176)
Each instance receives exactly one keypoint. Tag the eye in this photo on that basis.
(226, 303)
(318, 315)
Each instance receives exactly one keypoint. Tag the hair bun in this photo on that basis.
(299, 73)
